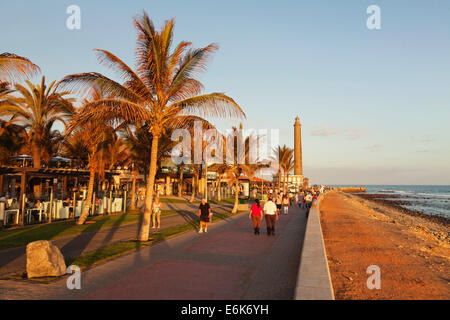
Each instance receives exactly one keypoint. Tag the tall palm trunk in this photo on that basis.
(279, 178)
(180, 182)
(87, 204)
(36, 153)
(219, 196)
(145, 225)
(194, 185)
(236, 196)
(133, 191)
(285, 183)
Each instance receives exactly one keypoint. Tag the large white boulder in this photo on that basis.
(44, 260)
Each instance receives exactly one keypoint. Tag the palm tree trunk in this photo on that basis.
(279, 178)
(180, 182)
(87, 204)
(219, 196)
(133, 192)
(36, 152)
(236, 196)
(287, 182)
(194, 185)
(145, 225)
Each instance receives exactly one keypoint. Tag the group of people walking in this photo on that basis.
(274, 207)
(270, 212)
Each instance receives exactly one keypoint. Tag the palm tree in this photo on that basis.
(281, 154)
(196, 171)
(51, 142)
(138, 139)
(234, 170)
(163, 86)
(288, 166)
(5, 91)
(117, 151)
(15, 67)
(11, 140)
(97, 139)
(37, 108)
(76, 147)
(189, 122)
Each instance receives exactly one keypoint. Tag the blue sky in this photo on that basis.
(374, 104)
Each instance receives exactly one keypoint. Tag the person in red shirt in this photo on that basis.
(256, 215)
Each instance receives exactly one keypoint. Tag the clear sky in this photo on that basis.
(374, 104)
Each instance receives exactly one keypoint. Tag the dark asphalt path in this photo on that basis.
(229, 262)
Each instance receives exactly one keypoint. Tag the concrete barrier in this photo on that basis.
(352, 189)
(313, 280)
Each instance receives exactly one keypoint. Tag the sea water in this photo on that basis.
(432, 200)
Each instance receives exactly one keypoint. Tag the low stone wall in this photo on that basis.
(352, 189)
(314, 281)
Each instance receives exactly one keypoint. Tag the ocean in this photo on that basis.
(432, 200)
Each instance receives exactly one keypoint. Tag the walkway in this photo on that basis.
(13, 261)
(228, 262)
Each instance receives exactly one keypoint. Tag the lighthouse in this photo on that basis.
(297, 178)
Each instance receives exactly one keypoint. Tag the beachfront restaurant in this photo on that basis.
(36, 195)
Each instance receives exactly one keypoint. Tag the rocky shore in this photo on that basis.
(396, 202)
(436, 225)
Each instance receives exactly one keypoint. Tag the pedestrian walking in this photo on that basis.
(271, 215)
(256, 215)
(309, 199)
(279, 201)
(296, 199)
(204, 214)
(156, 213)
(285, 204)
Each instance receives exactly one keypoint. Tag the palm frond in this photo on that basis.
(210, 105)
(14, 67)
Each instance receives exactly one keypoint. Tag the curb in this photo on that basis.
(313, 280)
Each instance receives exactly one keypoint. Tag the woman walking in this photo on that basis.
(156, 212)
(256, 215)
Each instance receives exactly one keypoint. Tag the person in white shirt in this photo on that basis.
(308, 200)
(285, 203)
(271, 214)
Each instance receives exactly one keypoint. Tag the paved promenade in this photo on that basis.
(13, 261)
(229, 262)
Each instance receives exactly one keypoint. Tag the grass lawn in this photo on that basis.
(225, 200)
(172, 200)
(22, 236)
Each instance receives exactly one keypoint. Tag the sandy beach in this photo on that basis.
(412, 251)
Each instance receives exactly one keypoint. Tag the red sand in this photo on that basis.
(413, 265)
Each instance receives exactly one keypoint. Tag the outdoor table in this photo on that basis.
(30, 211)
(10, 212)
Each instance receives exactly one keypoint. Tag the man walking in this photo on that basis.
(204, 213)
(271, 214)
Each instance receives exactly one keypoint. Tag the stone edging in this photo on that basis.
(313, 280)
